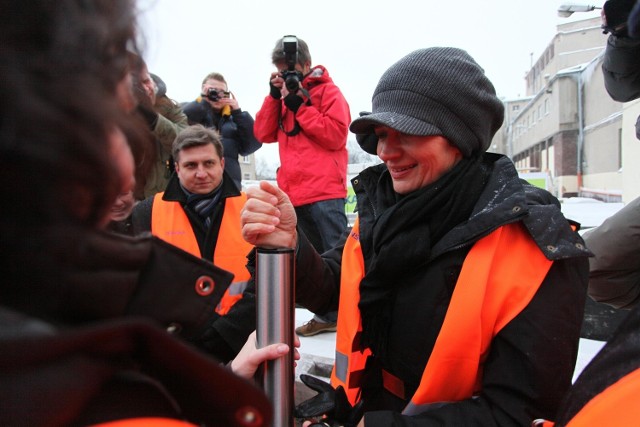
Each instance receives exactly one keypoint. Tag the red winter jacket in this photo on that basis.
(313, 163)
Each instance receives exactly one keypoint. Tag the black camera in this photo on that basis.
(291, 76)
(215, 95)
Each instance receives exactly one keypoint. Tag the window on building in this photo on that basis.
(540, 112)
(546, 106)
(246, 159)
(515, 108)
(246, 176)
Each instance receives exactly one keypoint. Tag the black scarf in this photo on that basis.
(203, 204)
(403, 235)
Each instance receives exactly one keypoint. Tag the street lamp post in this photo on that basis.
(565, 10)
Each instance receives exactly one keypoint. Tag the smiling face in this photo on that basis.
(414, 161)
(199, 168)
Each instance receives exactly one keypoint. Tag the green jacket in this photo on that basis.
(171, 121)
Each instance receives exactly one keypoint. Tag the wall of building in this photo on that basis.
(569, 126)
(630, 152)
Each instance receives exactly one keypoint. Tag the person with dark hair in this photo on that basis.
(309, 120)
(460, 289)
(199, 212)
(164, 119)
(614, 277)
(95, 326)
(218, 108)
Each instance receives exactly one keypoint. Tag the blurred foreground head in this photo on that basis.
(60, 64)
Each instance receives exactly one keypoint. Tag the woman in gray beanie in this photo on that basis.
(460, 288)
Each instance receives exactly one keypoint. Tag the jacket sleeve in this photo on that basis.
(614, 276)
(530, 365)
(326, 120)
(247, 140)
(227, 334)
(141, 216)
(167, 290)
(167, 129)
(195, 113)
(318, 277)
(265, 127)
(621, 68)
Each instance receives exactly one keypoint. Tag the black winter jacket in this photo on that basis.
(113, 369)
(89, 328)
(531, 360)
(236, 131)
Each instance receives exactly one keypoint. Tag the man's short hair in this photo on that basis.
(277, 55)
(214, 76)
(196, 136)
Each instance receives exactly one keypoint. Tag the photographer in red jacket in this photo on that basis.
(308, 116)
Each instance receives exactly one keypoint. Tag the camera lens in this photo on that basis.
(213, 95)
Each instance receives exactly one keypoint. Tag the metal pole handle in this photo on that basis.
(275, 322)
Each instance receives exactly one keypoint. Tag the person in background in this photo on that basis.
(606, 391)
(94, 325)
(614, 276)
(460, 289)
(218, 108)
(164, 119)
(120, 215)
(309, 119)
(199, 212)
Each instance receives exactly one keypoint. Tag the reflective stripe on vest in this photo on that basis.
(491, 291)
(170, 223)
(145, 422)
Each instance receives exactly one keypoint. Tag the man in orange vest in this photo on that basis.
(199, 212)
(460, 289)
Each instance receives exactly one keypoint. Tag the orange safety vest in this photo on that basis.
(170, 223)
(615, 406)
(491, 290)
(145, 422)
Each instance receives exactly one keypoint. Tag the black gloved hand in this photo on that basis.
(293, 102)
(330, 402)
(274, 91)
(149, 116)
(616, 13)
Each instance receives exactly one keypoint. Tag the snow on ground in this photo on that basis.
(588, 212)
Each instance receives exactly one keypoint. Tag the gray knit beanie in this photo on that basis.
(435, 91)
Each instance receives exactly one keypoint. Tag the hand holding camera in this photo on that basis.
(224, 98)
(215, 95)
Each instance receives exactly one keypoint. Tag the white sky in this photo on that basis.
(357, 40)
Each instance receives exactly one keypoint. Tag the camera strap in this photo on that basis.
(296, 126)
(293, 132)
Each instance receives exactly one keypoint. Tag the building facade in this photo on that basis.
(248, 167)
(567, 126)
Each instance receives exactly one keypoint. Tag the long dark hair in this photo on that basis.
(60, 62)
